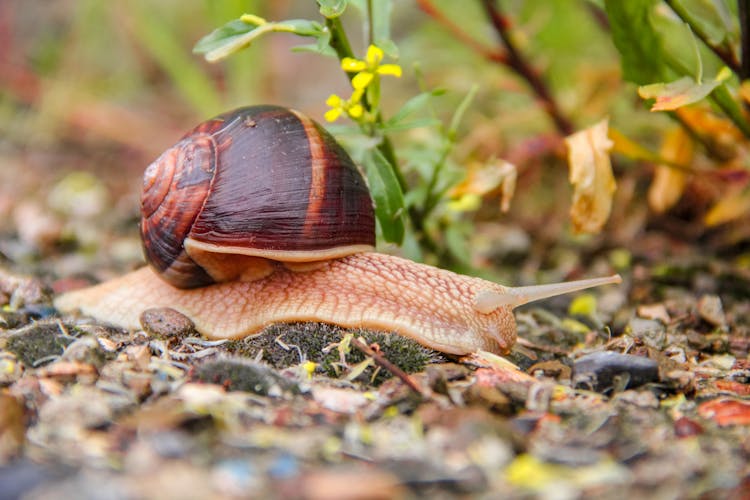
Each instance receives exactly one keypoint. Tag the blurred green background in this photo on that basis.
(103, 87)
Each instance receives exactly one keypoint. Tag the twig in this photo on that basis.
(486, 52)
(509, 57)
(518, 64)
(385, 363)
(722, 51)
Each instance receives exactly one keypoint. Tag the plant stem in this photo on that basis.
(518, 64)
(509, 57)
(340, 44)
(486, 52)
(723, 52)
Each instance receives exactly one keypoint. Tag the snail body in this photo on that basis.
(304, 253)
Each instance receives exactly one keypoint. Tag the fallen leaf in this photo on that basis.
(669, 183)
(482, 179)
(654, 311)
(745, 91)
(731, 386)
(591, 176)
(726, 411)
(731, 206)
(529, 472)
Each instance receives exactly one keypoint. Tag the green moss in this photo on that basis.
(286, 345)
(239, 374)
(38, 341)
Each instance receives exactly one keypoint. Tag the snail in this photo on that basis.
(259, 216)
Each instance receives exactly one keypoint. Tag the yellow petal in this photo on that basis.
(356, 111)
(591, 176)
(333, 114)
(362, 80)
(389, 69)
(374, 56)
(351, 65)
(334, 101)
(583, 305)
(356, 95)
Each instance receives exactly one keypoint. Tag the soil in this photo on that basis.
(641, 389)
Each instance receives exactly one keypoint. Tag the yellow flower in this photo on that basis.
(339, 106)
(367, 69)
(309, 367)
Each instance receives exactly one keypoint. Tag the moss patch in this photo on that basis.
(37, 341)
(287, 345)
(238, 374)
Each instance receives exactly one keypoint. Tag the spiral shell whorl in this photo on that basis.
(175, 187)
(264, 182)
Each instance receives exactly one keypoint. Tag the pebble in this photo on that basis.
(599, 370)
(165, 322)
(711, 310)
(649, 331)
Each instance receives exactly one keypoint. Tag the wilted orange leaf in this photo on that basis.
(686, 90)
(730, 207)
(713, 127)
(484, 178)
(745, 91)
(629, 148)
(591, 177)
(669, 182)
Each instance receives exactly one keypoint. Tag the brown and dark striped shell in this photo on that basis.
(257, 181)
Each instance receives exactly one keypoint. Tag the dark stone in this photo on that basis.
(601, 371)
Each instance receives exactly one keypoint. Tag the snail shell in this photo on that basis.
(254, 185)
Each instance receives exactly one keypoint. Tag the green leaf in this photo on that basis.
(380, 10)
(409, 124)
(301, 27)
(332, 8)
(226, 37)
(460, 110)
(379, 13)
(411, 106)
(679, 93)
(636, 39)
(238, 34)
(387, 195)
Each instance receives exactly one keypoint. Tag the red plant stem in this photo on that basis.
(486, 52)
(510, 57)
(518, 64)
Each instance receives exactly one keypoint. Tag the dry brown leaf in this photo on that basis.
(669, 182)
(482, 179)
(591, 176)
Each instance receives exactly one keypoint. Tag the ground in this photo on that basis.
(639, 389)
